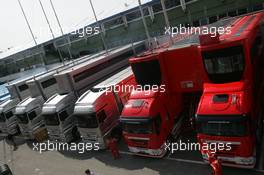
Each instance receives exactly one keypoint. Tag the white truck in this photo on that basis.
(18, 90)
(28, 111)
(41, 88)
(97, 111)
(58, 110)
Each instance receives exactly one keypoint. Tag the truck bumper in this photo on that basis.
(238, 162)
(145, 152)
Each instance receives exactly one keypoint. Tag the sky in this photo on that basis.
(73, 14)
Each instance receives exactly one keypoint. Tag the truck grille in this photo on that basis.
(234, 149)
(140, 143)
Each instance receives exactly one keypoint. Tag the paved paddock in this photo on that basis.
(25, 161)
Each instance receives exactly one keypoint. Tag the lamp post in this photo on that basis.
(99, 25)
(144, 21)
(59, 24)
(30, 29)
(167, 22)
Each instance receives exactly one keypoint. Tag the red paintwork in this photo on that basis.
(243, 90)
(240, 105)
(174, 75)
(183, 72)
(125, 93)
(153, 105)
(183, 65)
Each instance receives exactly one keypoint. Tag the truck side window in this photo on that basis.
(63, 115)
(101, 116)
(32, 115)
(158, 124)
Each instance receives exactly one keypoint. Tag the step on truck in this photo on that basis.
(98, 110)
(230, 106)
(58, 110)
(41, 88)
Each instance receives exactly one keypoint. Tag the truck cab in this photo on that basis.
(224, 116)
(96, 114)
(97, 111)
(18, 90)
(8, 121)
(58, 115)
(41, 88)
(150, 116)
(29, 116)
(229, 109)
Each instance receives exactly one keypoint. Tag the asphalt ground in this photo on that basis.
(26, 161)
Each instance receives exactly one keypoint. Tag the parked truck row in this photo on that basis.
(214, 81)
(225, 74)
(25, 113)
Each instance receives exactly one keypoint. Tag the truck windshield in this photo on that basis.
(147, 72)
(224, 65)
(222, 126)
(2, 118)
(138, 127)
(86, 121)
(51, 119)
(22, 118)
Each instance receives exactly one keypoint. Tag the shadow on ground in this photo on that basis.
(163, 166)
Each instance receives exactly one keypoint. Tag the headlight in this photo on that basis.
(156, 152)
(247, 161)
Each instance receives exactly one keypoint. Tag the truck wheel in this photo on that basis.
(117, 133)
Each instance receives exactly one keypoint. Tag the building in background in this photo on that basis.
(127, 27)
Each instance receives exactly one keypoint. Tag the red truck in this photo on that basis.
(223, 73)
(154, 115)
(229, 109)
(97, 111)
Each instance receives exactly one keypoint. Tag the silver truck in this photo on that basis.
(58, 111)
(97, 111)
(18, 90)
(28, 111)
(41, 89)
